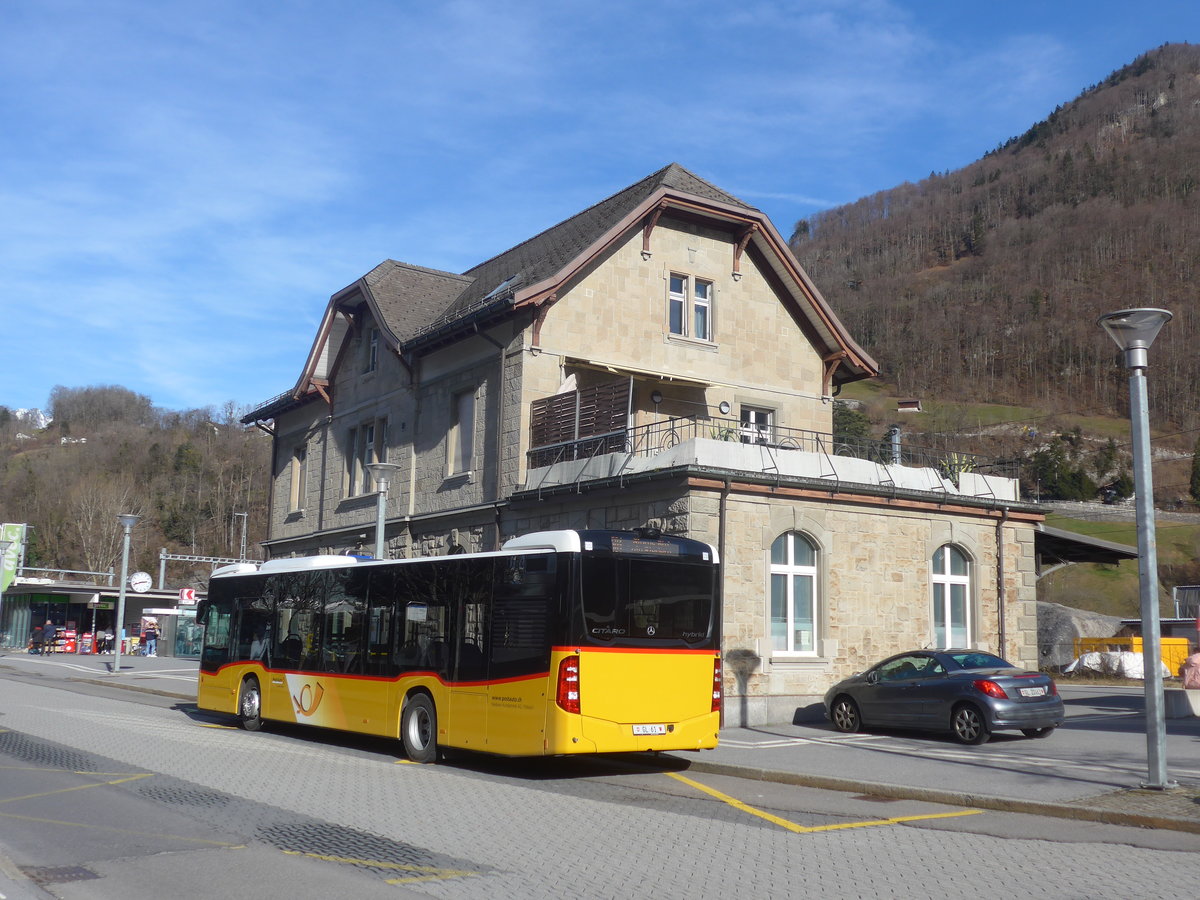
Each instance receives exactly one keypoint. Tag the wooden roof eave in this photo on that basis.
(772, 245)
(661, 200)
(309, 379)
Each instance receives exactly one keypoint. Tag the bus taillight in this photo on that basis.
(717, 688)
(567, 695)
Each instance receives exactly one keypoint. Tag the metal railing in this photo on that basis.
(654, 438)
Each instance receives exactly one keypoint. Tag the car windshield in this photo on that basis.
(975, 660)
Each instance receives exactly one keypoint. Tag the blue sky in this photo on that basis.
(183, 184)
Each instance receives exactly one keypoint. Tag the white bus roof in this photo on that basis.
(560, 541)
(555, 541)
(286, 564)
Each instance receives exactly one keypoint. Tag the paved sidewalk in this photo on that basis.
(1090, 769)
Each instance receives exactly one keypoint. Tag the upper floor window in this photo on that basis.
(756, 425)
(793, 594)
(371, 350)
(365, 444)
(299, 479)
(951, 578)
(461, 449)
(689, 307)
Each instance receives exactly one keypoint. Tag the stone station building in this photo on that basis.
(658, 358)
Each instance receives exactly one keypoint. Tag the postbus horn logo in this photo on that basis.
(309, 699)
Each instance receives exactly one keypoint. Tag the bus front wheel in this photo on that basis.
(418, 729)
(250, 705)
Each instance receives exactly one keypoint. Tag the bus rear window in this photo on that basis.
(640, 600)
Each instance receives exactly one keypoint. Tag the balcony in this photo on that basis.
(783, 453)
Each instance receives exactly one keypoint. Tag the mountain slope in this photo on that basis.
(986, 283)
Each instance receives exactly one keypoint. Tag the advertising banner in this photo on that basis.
(15, 534)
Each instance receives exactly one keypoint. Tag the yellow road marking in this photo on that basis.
(421, 873)
(807, 829)
(123, 831)
(78, 787)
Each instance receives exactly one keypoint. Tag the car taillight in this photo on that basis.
(990, 688)
(567, 694)
(717, 687)
(1053, 689)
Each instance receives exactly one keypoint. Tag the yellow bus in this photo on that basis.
(560, 642)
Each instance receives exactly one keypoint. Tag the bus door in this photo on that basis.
(470, 583)
(524, 603)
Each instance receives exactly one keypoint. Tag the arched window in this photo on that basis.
(951, 577)
(793, 594)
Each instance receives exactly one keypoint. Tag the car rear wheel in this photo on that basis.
(1037, 732)
(968, 725)
(845, 716)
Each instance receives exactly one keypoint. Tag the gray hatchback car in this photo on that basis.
(967, 693)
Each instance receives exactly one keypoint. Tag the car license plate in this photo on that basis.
(649, 729)
(1033, 692)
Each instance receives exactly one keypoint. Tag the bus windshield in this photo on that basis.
(628, 600)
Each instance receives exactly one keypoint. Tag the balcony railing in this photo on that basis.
(656, 437)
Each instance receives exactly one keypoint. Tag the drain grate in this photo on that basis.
(182, 796)
(58, 874)
(362, 850)
(42, 753)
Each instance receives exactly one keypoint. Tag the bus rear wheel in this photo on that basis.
(250, 705)
(418, 729)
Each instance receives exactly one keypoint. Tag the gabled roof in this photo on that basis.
(549, 252)
(421, 308)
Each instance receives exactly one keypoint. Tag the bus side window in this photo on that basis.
(253, 628)
(380, 615)
(345, 618)
(298, 606)
(422, 593)
(473, 590)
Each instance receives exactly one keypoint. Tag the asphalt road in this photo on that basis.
(107, 792)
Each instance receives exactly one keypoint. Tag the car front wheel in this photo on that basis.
(845, 716)
(968, 725)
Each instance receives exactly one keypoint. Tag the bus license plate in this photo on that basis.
(1033, 692)
(649, 729)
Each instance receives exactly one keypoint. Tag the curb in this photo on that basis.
(135, 688)
(953, 798)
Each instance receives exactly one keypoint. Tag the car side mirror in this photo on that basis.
(872, 678)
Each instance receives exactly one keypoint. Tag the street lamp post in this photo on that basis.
(381, 474)
(127, 522)
(1134, 330)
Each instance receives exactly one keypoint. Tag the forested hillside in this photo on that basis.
(109, 451)
(985, 284)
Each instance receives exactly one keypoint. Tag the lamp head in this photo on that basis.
(382, 472)
(128, 520)
(1134, 330)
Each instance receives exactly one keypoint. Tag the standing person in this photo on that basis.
(36, 641)
(150, 638)
(49, 633)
